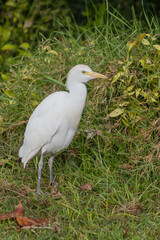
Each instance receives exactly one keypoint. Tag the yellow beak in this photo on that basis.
(94, 74)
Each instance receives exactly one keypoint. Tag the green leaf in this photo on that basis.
(1, 59)
(52, 52)
(116, 112)
(9, 93)
(5, 77)
(117, 76)
(10, 3)
(8, 47)
(6, 35)
(25, 45)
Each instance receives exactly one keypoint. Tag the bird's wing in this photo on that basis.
(42, 125)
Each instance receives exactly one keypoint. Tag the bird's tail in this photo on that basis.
(21, 155)
(21, 152)
(25, 155)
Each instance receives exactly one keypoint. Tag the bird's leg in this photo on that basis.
(50, 163)
(40, 166)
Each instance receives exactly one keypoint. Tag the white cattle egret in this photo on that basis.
(54, 122)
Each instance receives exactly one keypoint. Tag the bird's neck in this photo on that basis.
(78, 91)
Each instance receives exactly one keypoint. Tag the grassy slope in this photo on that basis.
(119, 156)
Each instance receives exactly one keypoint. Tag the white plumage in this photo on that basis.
(54, 122)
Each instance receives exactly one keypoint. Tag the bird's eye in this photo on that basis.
(83, 72)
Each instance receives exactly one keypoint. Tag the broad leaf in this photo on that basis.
(116, 112)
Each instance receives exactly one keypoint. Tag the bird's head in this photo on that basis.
(81, 74)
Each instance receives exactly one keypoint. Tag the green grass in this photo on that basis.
(119, 155)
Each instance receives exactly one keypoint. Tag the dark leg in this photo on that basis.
(40, 166)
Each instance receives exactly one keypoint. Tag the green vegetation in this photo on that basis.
(117, 143)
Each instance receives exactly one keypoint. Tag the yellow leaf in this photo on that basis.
(12, 101)
(123, 104)
(153, 100)
(130, 88)
(141, 37)
(5, 77)
(148, 60)
(130, 45)
(157, 47)
(9, 93)
(117, 76)
(153, 38)
(52, 52)
(130, 77)
(145, 42)
(137, 92)
(116, 112)
(131, 93)
(142, 61)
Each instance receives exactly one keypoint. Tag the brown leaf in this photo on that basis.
(29, 221)
(87, 186)
(55, 193)
(8, 215)
(19, 211)
(23, 221)
(28, 23)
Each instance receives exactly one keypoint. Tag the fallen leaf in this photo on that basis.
(55, 193)
(8, 215)
(87, 186)
(18, 212)
(23, 221)
(28, 23)
(29, 221)
(116, 112)
(157, 47)
(145, 42)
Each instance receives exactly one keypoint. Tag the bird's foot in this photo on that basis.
(41, 193)
(54, 184)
